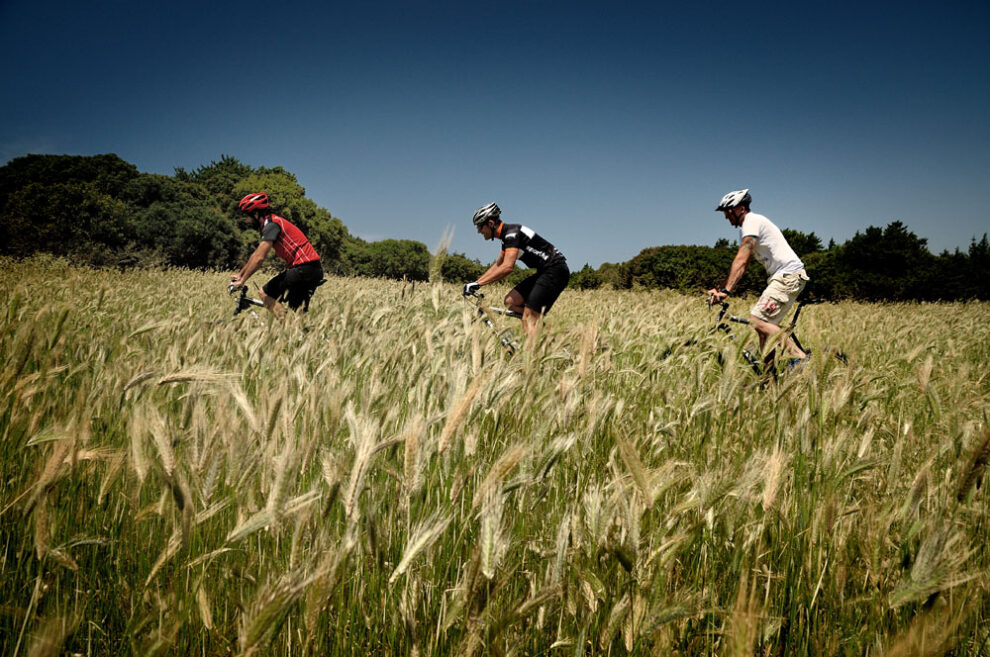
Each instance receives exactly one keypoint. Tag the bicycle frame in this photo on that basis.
(244, 301)
(723, 323)
(487, 315)
(753, 361)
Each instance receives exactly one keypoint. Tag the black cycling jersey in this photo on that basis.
(534, 251)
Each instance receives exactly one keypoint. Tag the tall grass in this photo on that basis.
(377, 477)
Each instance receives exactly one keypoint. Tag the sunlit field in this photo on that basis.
(379, 477)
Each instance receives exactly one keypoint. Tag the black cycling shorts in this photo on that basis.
(296, 284)
(541, 290)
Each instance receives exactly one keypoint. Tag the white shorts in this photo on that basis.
(779, 296)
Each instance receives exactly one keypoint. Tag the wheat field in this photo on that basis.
(378, 477)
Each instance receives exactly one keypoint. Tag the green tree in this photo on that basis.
(328, 235)
(72, 218)
(825, 279)
(397, 259)
(101, 208)
(802, 243)
(687, 268)
(586, 279)
(106, 174)
(219, 178)
(181, 221)
(951, 277)
(613, 274)
(887, 264)
(979, 268)
(458, 268)
(287, 196)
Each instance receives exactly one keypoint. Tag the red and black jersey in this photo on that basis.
(289, 242)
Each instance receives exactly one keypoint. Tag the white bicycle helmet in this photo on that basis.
(732, 199)
(485, 213)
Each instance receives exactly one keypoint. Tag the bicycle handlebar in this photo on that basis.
(243, 302)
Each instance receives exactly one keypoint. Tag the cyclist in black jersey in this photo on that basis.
(534, 297)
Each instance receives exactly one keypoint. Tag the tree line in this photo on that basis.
(101, 211)
(877, 264)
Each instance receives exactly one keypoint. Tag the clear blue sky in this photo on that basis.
(606, 127)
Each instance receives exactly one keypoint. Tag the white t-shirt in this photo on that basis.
(772, 250)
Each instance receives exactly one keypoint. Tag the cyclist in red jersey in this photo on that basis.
(305, 272)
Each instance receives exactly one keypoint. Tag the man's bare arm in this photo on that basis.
(253, 263)
(740, 262)
(503, 266)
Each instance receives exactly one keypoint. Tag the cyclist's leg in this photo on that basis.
(773, 305)
(547, 287)
(515, 300)
(544, 293)
(531, 321)
(272, 291)
(301, 282)
(766, 332)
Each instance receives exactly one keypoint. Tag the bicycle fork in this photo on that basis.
(505, 336)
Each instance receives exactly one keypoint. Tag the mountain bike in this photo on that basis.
(487, 313)
(769, 361)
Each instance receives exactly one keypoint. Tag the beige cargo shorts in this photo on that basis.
(779, 296)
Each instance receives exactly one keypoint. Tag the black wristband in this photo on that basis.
(724, 291)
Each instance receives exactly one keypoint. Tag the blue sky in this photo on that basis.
(606, 127)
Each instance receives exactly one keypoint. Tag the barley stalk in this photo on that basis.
(506, 463)
(363, 437)
(425, 535)
(171, 549)
(636, 469)
(774, 470)
(266, 614)
(456, 418)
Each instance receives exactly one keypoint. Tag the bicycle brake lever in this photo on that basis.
(711, 302)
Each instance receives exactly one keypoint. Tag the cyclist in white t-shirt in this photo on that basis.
(786, 277)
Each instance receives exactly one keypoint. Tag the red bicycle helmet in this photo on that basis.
(253, 202)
